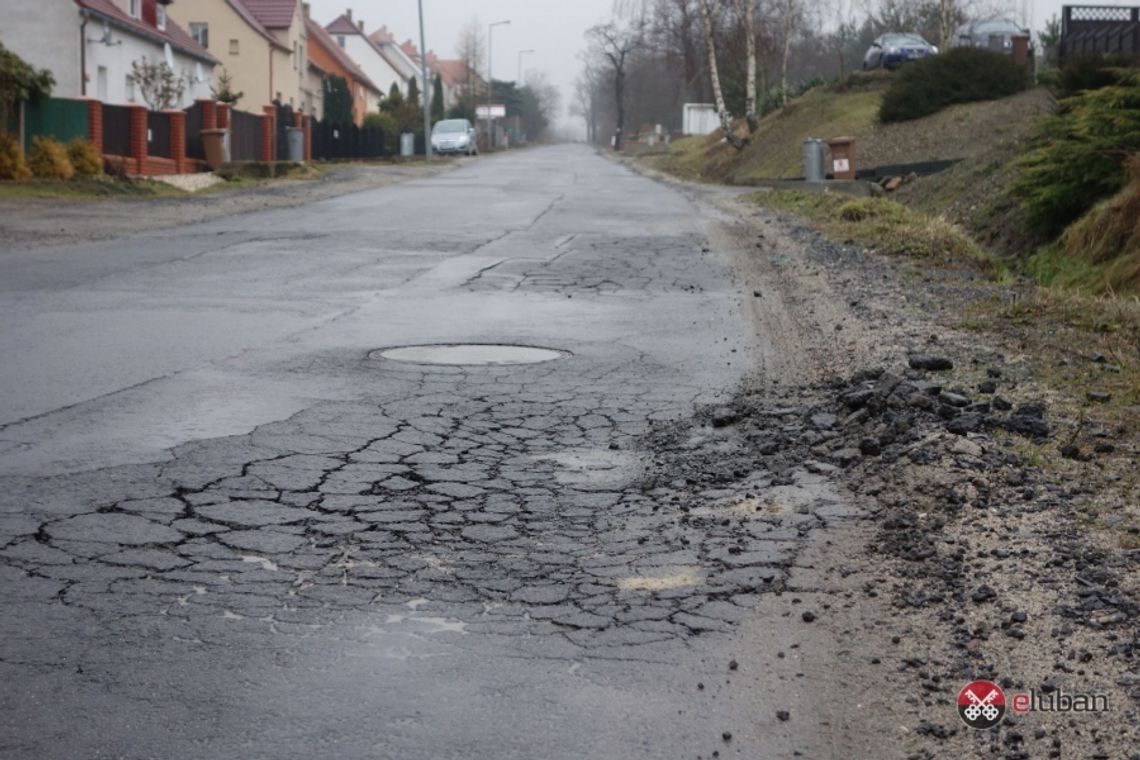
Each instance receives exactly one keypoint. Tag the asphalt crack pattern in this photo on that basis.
(579, 498)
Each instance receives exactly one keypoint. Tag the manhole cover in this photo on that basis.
(477, 354)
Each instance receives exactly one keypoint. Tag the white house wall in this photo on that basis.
(378, 70)
(46, 35)
(109, 65)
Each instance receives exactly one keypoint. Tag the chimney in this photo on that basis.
(348, 14)
(360, 24)
(307, 10)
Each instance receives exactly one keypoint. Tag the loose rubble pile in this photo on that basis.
(983, 554)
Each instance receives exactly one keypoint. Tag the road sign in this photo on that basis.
(491, 112)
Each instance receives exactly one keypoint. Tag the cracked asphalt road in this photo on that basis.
(226, 531)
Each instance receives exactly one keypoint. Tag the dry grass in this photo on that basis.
(881, 225)
(1105, 243)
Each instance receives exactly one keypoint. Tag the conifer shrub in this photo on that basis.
(1080, 154)
(962, 75)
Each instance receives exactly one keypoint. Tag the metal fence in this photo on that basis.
(116, 130)
(57, 118)
(1100, 29)
(158, 134)
(245, 136)
(344, 141)
(195, 120)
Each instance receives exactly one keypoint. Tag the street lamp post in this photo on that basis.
(427, 88)
(491, 81)
(519, 81)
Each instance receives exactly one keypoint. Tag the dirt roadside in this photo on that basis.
(31, 222)
(973, 558)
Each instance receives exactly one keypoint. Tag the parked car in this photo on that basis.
(895, 49)
(993, 33)
(454, 136)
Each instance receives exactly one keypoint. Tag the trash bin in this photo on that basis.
(216, 145)
(813, 160)
(295, 141)
(842, 157)
(407, 144)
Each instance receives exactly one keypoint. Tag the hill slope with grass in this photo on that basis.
(775, 151)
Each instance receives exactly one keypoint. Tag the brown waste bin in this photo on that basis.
(842, 157)
(214, 146)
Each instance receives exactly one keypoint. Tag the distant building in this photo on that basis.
(331, 58)
(372, 59)
(90, 46)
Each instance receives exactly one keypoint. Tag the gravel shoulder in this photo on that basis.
(996, 537)
(29, 223)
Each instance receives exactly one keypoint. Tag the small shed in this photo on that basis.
(699, 119)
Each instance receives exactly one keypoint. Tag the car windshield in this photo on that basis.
(903, 39)
(451, 126)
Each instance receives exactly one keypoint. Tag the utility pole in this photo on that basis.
(519, 81)
(491, 82)
(427, 88)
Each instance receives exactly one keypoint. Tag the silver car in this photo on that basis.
(454, 136)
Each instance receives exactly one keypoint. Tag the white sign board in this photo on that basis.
(491, 112)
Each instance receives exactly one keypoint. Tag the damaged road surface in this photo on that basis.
(241, 517)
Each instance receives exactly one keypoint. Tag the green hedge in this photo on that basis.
(961, 75)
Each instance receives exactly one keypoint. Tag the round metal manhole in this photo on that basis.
(469, 354)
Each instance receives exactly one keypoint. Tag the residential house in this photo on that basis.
(459, 81)
(261, 44)
(404, 60)
(376, 63)
(91, 45)
(331, 59)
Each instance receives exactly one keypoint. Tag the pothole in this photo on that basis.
(469, 354)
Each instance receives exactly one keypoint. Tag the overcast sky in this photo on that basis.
(553, 28)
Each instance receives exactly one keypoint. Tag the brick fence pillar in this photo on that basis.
(95, 123)
(268, 133)
(138, 138)
(223, 116)
(209, 113)
(307, 125)
(178, 140)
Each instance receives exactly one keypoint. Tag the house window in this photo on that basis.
(201, 34)
(130, 89)
(101, 83)
(233, 47)
(160, 17)
(297, 56)
(340, 40)
(133, 8)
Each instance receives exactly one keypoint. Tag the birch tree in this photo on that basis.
(746, 10)
(714, 75)
(790, 17)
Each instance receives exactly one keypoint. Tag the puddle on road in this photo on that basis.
(600, 468)
(660, 582)
(469, 354)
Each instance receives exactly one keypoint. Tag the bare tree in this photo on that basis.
(790, 16)
(159, 86)
(471, 48)
(615, 41)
